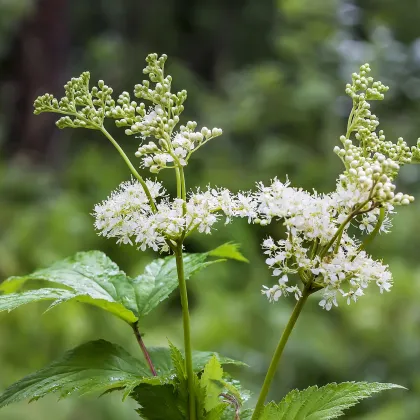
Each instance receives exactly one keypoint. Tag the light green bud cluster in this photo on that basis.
(415, 151)
(399, 152)
(169, 148)
(160, 120)
(364, 87)
(161, 94)
(84, 108)
(371, 162)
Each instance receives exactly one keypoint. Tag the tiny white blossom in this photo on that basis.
(274, 293)
(353, 295)
(296, 291)
(328, 301)
(368, 223)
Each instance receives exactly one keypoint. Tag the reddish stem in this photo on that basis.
(143, 348)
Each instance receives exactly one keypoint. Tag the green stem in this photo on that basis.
(337, 244)
(187, 331)
(104, 131)
(368, 240)
(314, 248)
(349, 123)
(184, 198)
(278, 353)
(340, 230)
(131, 167)
(178, 183)
(183, 187)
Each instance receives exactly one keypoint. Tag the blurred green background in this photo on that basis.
(272, 75)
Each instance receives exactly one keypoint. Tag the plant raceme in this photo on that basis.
(324, 250)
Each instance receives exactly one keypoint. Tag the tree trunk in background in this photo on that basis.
(36, 65)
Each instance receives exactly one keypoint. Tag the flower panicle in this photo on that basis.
(170, 146)
(322, 246)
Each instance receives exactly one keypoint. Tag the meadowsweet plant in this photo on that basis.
(324, 251)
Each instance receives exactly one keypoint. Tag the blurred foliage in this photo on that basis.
(272, 75)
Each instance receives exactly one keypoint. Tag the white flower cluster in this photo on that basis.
(169, 148)
(312, 222)
(344, 273)
(128, 216)
(319, 247)
(314, 216)
(303, 213)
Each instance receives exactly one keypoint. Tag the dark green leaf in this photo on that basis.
(91, 277)
(158, 402)
(14, 300)
(100, 366)
(172, 399)
(160, 279)
(328, 402)
(170, 365)
(97, 366)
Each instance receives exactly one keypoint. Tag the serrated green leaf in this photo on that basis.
(160, 279)
(170, 365)
(181, 379)
(231, 389)
(200, 359)
(97, 366)
(173, 398)
(228, 250)
(200, 399)
(211, 382)
(101, 367)
(178, 362)
(91, 277)
(158, 402)
(14, 300)
(217, 413)
(163, 359)
(325, 403)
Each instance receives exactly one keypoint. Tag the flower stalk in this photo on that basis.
(187, 331)
(279, 352)
(131, 167)
(181, 193)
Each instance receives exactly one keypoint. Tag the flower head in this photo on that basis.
(320, 246)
